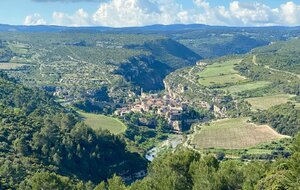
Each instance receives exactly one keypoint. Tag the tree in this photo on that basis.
(204, 173)
(220, 155)
(47, 181)
(253, 172)
(21, 146)
(116, 183)
(101, 186)
(230, 175)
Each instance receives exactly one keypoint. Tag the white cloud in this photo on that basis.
(121, 13)
(125, 13)
(248, 14)
(254, 14)
(138, 12)
(79, 18)
(34, 19)
(202, 3)
(290, 13)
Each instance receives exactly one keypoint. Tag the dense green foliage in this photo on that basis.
(284, 118)
(275, 63)
(280, 55)
(145, 130)
(184, 170)
(38, 134)
(187, 170)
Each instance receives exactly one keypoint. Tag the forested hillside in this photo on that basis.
(37, 134)
(284, 118)
(264, 78)
(213, 42)
(184, 117)
(185, 170)
(188, 170)
(281, 55)
(76, 65)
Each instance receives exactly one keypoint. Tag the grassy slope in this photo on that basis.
(247, 86)
(265, 102)
(233, 134)
(97, 121)
(220, 73)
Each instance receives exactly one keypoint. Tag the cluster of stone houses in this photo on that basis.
(171, 109)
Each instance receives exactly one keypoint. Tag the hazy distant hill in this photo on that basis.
(150, 28)
(49, 28)
(207, 41)
(83, 62)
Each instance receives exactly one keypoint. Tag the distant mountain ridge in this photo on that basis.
(156, 27)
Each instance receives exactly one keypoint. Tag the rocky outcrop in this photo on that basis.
(145, 72)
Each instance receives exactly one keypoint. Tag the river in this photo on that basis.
(171, 144)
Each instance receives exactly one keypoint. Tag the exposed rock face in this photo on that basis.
(172, 53)
(219, 112)
(169, 90)
(149, 71)
(145, 72)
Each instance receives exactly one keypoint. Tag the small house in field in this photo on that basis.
(201, 63)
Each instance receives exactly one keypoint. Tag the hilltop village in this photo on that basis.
(165, 106)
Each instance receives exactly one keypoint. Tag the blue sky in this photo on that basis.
(120, 13)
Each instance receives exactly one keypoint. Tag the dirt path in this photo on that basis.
(254, 60)
(281, 71)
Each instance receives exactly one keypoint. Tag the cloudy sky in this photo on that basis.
(120, 13)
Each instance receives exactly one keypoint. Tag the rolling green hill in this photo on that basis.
(76, 65)
(253, 97)
(38, 134)
(268, 77)
(280, 55)
(102, 122)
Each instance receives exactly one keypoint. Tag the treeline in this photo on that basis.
(37, 134)
(188, 170)
(284, 118)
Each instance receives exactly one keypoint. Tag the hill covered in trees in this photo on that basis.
(187, 170)
(38, 134)
(238, 83)
(77, 65)
(44, 145)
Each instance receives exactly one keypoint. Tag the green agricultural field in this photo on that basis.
(246, 86)
(265, 102)
(220, 73)
(233, 134)
(19, 48)
(222, 79)
(255, 151)
(97, 121)
(7, 66)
